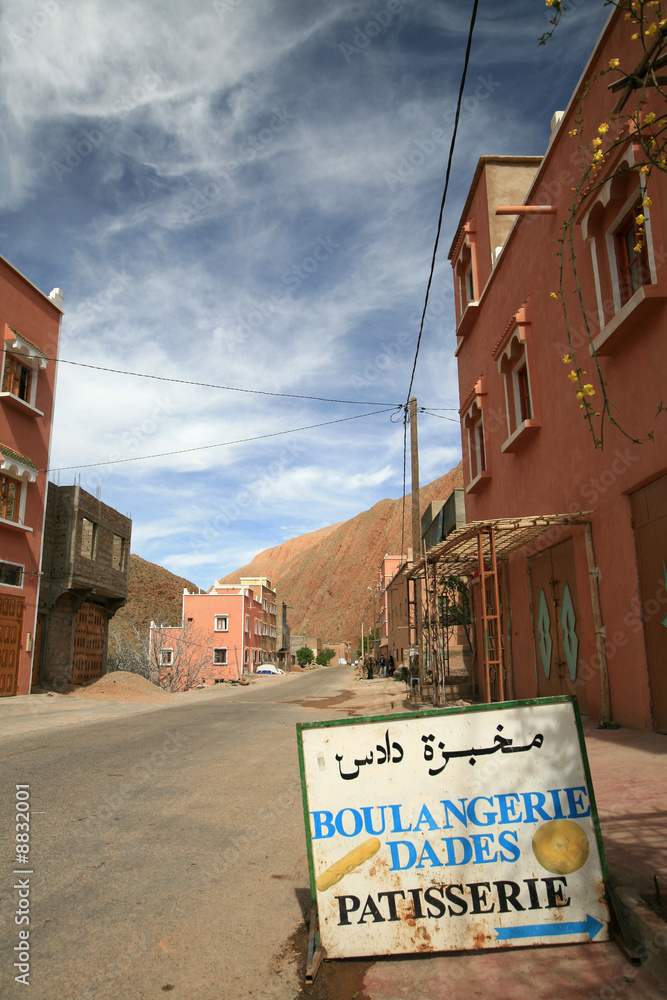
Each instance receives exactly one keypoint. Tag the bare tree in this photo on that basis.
(128, 652)
(178, 656)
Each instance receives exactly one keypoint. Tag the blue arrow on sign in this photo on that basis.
(589, 926)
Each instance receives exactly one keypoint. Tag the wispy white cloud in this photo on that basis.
(246, 194)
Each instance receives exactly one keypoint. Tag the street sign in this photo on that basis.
(454, 829)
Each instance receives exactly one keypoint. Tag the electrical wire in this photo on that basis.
(220, 444)
(450, 158)
(444, 194)
(228, 388)
(422, 409)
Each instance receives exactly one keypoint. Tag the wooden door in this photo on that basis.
(11, 625)
(649, 518)
(556, 623)
(37, 649)
(88, 643)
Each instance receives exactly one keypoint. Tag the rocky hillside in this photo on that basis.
(154, 595)
(324, 576)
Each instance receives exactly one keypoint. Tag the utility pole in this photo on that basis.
(416, 532)
(363, 658)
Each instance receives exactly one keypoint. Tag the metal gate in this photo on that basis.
(649, 519)
(89, 643)
(556, 623)
(11, 624)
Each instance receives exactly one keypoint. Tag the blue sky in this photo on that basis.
(246, 193)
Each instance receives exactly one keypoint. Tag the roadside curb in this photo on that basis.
(647, 931)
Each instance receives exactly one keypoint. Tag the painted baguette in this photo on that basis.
(339, 869)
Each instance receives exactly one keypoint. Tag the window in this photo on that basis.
(265, 606)
(88, 538)
(473, 424)
(514, 368)
(17, 378)
(166, 657)
(631, 263)
(10, 498)
(21, 364)
(221, 623)
(246, 655)
(220, 656)
(247, 623)
(512, 356)
(628, 285)
(11, 575)
(118, 553)
(256, 627)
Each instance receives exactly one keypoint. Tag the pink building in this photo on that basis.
(30, 324)
(388, 570)
(225, 632)
(526, 446)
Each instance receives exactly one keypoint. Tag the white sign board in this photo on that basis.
(453, 829)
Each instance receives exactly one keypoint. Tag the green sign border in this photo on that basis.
(431, 713)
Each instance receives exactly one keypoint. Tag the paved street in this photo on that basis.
(169, 857)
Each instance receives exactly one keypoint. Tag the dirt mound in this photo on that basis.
(121, 686)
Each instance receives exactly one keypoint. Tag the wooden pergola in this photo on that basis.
(474, 550)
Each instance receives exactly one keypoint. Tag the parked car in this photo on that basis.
(268, 668)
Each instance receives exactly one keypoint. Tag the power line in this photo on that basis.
(444, 194)
(422, 409)
(220, 444)
(229, 388)
(473, 17)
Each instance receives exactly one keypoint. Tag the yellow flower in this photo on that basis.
(662, 163)
(598, 156)
(589, 390)
(635, 36)
(647, 202)
(554, 295)
(637, 248)
(575, 131)
(597, 142)
(603, 128)
(573, 377)
(650, 117)
(639, 219)
(567, 359)
(644, 169)
(651, 30)
(614, 63)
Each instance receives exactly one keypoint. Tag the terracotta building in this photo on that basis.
(584, 608)
(224, 632)
(85, 573)
(30, 324)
